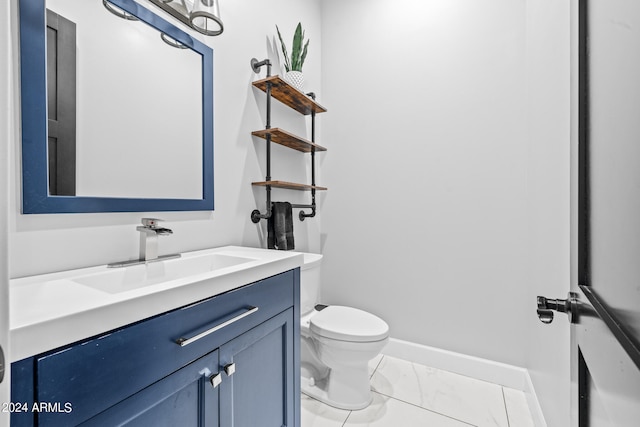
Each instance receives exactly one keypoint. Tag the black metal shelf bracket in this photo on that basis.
(256, 65)
(256, 215)
(302, 215)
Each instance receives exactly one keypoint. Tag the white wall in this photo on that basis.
(548, 112)
(43, 243)
(448, 212)
(426, 217)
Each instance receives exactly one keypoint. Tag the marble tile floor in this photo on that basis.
(407, 394)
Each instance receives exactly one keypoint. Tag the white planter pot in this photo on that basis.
(295, 79)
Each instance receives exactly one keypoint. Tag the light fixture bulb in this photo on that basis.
(118, 12)
(171, 41)
(205, 17)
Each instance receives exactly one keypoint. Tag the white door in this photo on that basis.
(5, 139)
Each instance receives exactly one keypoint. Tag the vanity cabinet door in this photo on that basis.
(258, 384)
(186, 398)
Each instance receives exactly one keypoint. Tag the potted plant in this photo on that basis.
(294, 64)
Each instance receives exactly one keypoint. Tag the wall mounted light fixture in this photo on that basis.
(120, 13)
(201, 15)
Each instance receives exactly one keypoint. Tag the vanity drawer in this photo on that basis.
(95, 374)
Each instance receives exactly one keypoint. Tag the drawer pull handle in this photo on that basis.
(186, 341)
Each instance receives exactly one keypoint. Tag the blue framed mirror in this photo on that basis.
(137, 133)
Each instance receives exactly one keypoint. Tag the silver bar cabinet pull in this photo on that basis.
(186, 341)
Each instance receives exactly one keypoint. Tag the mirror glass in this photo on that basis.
(128, 119)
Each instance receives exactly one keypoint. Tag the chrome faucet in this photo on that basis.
(149, 232)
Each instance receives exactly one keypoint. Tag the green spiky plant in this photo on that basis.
(298, 53)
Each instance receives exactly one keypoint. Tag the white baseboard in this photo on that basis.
(470, 366)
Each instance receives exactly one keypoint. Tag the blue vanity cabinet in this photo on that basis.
(255, 388)
(238, 366)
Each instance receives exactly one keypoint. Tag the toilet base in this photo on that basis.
(349, 389)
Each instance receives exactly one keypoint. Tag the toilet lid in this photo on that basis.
(348, 324)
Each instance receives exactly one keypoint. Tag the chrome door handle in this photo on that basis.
(230, 369)
(215, 379)
(547, 306)
(186, 341)
(545, 316)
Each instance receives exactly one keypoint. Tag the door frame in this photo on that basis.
(596, 323)
(577, 220)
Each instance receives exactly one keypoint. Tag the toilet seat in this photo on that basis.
(348, 324)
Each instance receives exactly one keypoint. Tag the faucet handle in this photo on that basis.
(151, 222)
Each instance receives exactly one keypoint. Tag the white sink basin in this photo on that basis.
(125, 279)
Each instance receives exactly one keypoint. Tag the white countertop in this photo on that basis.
(51, 310)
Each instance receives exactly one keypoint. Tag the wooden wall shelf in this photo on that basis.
(276, 87)
(290, 96)
(282, 137)
(288, 185)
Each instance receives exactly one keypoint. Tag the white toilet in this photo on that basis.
(337, 344)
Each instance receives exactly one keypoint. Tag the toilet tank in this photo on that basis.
(310, 282)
